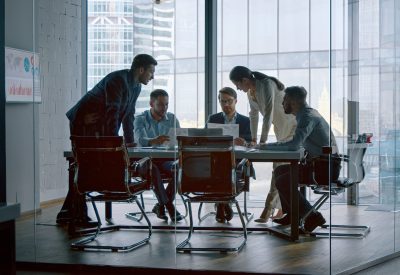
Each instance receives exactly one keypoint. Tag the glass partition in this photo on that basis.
(368, 84)
(21, 113)
(344, 53)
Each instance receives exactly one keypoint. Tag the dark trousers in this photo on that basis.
(282, 182)
(164, 170)
(74, 206)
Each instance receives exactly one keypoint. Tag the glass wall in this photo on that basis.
(172, 32)
(345, 53)
(22, 116)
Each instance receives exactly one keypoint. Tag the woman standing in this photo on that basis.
(265, 95)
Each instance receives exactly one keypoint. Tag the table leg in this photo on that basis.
(69, 201)
(108, 210)
(294, 201)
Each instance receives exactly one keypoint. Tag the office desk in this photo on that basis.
(292, 157)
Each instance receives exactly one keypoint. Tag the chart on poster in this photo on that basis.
(22, 76)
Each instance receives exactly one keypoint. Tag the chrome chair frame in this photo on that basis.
(249, 172)
(206, 147)
(132, 175)
(356, 173)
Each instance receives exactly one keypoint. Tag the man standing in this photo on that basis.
(112, 101)
(227, 99)
(151, 129)
(102, 110)
(313, 133)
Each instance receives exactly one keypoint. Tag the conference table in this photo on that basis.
(254, 155)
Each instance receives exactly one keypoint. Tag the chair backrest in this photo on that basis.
(355, 163)
(206, 165)
(204, 132)
(355, 168)
(102, 164)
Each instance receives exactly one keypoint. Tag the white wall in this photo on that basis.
(59, 45)
(37, 134)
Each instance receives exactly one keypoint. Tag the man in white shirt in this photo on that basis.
(151, 129)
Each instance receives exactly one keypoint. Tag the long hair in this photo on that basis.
(240, 72)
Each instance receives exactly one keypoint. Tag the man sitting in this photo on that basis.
(227, 99)
(312, 133)
(151, 129)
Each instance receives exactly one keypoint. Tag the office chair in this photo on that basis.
(104, 173)
(207, 173)
(191, 132)
(200, 132)
(356, 173)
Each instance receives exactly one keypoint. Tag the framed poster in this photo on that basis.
(22, 76)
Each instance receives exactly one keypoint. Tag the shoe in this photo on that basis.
(313, 221)
(282, 221)
(261, 220)
(176, 217)
(63, 217)
(265, 215)
(278, 214)
(174, 214)
(220, 215)
(159, 210)
(228, 212)
(86, 223)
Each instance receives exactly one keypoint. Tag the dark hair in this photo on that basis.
(297, 93)
(240, 72)
(158, 92)
(228, 91)
(143, 60)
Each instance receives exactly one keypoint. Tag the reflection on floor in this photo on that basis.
(40, 240)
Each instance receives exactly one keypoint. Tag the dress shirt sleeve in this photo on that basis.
(268, 106)
(141, 137)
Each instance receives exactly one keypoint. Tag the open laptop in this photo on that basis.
(174, 132)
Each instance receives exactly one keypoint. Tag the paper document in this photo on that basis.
(227, 129)
(173, 133)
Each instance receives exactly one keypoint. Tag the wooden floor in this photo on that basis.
(40, 240)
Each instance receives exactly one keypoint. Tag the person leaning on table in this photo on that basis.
(312, 133)
(227, 98)
(101, 112)
(265, 94)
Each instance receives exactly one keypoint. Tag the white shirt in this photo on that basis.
(269, 103)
